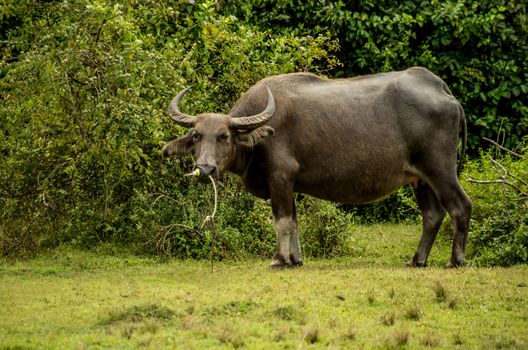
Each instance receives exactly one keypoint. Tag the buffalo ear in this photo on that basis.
(255, 136)
(178, 147)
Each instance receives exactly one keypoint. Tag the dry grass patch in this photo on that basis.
(413, 313)
(388, 319)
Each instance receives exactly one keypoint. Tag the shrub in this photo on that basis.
(400, 206)
(498, 185)
(324, 228)
(84, 87)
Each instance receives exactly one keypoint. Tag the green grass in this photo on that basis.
(84, 300)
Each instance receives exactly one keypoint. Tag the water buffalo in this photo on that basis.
(346, 140)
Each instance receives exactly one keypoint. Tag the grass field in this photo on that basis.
(69, 299)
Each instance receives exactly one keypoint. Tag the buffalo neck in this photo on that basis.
(242, 161)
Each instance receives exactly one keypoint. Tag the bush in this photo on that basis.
(499, 226)
(324, 228)
(84, 87)
(400, 206)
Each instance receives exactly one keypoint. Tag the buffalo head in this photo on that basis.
(215, 137)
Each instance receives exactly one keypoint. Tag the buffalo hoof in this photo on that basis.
(414, 264)
(455, 265)
(297, 263)
(279, 265)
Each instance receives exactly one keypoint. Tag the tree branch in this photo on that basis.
(499, 181)
(502, 147)
(507, 173)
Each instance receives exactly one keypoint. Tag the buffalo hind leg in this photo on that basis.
(458, 206)
(432, 216)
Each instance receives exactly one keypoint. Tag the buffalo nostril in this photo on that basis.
(206, 170)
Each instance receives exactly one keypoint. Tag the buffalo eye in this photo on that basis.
(223, 137)
(196, 136)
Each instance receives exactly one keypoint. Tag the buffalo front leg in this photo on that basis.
(284, 228)
(295, 245)
(285, 224)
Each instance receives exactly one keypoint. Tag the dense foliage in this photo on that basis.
(84, 89)
(84, 86)
(498, 186)
(478, 48)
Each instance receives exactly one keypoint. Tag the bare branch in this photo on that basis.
(499, 181)
(519, 179)
(500, 168)
(497, 164)
(503, 148)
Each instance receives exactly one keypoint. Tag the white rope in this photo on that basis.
(210, 218)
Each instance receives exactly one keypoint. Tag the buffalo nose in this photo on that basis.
(206, 170)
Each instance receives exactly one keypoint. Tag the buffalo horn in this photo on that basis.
(254, 121)
(175, 113)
